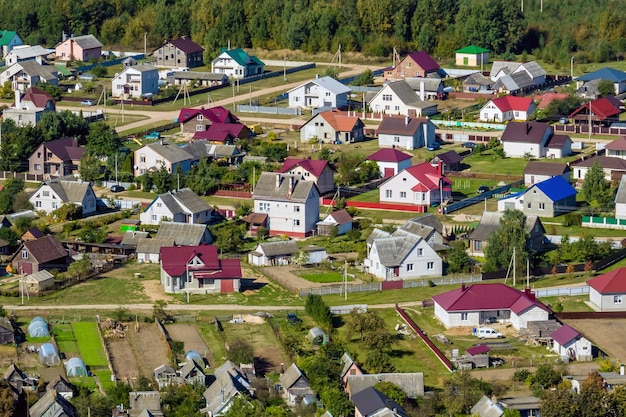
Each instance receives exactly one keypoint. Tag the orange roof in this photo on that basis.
(339, 121)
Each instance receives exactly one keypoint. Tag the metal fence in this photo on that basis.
(477, 199)
(561, 292)
(245, 108)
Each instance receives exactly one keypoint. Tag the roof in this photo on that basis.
(486, 407)
(69, 191)
(426, 220)
(47, 401)
(197, 75)
(40, 276)
(341, 216)
(602, 108)
(347, 363)
(425, 61)
(35, 232)
(283, 247)
(411, 383)
(229, 382)
(557, 141)
(291, 376)
(605, 73)
(184, 234)
(508, 103)
(242, 58)
(169, 150)
(87, 41)
(6, 36)
(38, 97)
(430, 84)
(448, 158)
(426, 175)
(217, 114)
(545, 168)
(613, 282)
(30, 51)
(478, 78)
(370, 400)
(620, 197)
(534, 69)
(175, 260)
(389, 154)
(605, 162)
(556, 188)
(255, 218)
(507, 66)
(186, 45)
(339, 121)
(65, 149)
(283, 187)
(471, 49)
(529, 132)
(131, 238)
(314, 166)
(487, 297)
(45, 249)
(477, 350)
(145, 245)
(490, 222)
(402, 90)
(33, 68)
(617, 144)
(564, 335)
(328, 83)
(177, 200)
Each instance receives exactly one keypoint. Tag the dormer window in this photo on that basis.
(24, 254)
(199, 117)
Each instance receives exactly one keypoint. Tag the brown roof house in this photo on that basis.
(32, 234)
(415, 64)
(537, 171)
(181, 52)
(490, 222)
(333, 127)
(536, 139)
(30, 108)
(406, 132)
(450, 161)
(57, 158)
(42, 254)
(340, 220)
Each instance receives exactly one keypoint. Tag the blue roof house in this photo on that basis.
(617, 77)
(549, 198)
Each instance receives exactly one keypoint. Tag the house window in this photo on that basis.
(464, 316)
(296, 209)
(478, 245)
(142, 158)
(430, 266)
(46, 193)
(409, 267)
(199, 117)
(55, 205)
(264, 206)
(387, 107)
(396, 139)
(154, 217)
(159, 204)
(387, 97)
(408, 65)
(529, 205)
(296, 222)
(327, 94)
(198, 128)
(542, 206)
(24, 254)
(420, 251)
(402, 194)
(388, 194)
(397, 108)
(38, 204)
(37, 167)
(617, 299)
(516, 114)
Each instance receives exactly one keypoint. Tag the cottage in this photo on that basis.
(406, 132)
(518, 83)
(614, 168)
(421, 185)
(26, 74)
(487, 407)
(181, 53)
(52, 403)
(56, 158)
(9, 40)
(537, 171)
(472, 56)
(136, 82)
(415, 64)
(478, 83)
(390, 161)
(607, 291)
(620, 200)
(192, 373)
(194, 122)
(472, 305)
(317, 170)
(550, 198)
(571, 345)
(295, 385)
(530, 70)
(370, 403)
(149, 250)
(39, 281)
(274, 253)
(230, 382)
(320, 92)
(7, 333)
(62, 386)
(52, 195)
(617, 77)
(179, 206)
(79, 48)
(29, 109)
(503, 109)
(602, 111)
(161, 154)
(339, 220)
(490, 222)
(398, 98)
(44, 253)
(27, 53)
(349, 368)
(616, 148)
(450, 161)
(536, 139)
(332, 127)
(412, 384)
(236, 63)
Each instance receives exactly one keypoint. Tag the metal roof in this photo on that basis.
(184, 234)
(283, 187)
(556, 188)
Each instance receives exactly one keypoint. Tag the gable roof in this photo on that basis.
(530, 132)
(488, 297)
(402, 90)
(490, 222)
(47, 401)
(613, 282)
(283, 187)
(40, 276)
(507, 66)
(30, 52)
(347, 363)
(38, 97)
(339, 121)
(217, 114)
(87, 41)
(46, 249)
(388, 155)
(291, 376)
(602, 108)
(314, 166)
(341, 216)
(508, 103)
(606, 162)
(328, 83)
(620, 197)
(229, 382)
(486, 407)
(556, 188)
(545, 168)
(564, 335)
(184, 234)
(425, 61)
(186, 45)
(70, 191)
(65, 149)
(175, 259)
(6, 36)
(514, 82)
(154, 245)
(241, 57)
(617, 144)
(411, 383)
(400, 125)
(169, 150)
(35, 232)
(533, 68)
(34, 68)
(449, 157)
(370, 400)
(131, 237)
(282, 247)
(175, 200)
(430, 84)
(605, 73)
(471, 49)
(478, 78)
(427, 176)
(392, 250)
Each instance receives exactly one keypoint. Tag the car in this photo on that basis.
(87, 102)
(563, 120)
(293, 319)
(434, 146)
(468, 145)
(483, 189)
(117, 188)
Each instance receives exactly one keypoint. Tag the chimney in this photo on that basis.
(463, 287)
(440, 168)
(422, 93)
(290, 185)
(277, 180)
(494, 399)
(528, 128)
(317, 75)
(529, 293)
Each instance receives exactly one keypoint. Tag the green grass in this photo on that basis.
(570, 303)
(104, 375)
(68, 346)
(324, 276)
(270, 294)
(372, 196)
(89, 344)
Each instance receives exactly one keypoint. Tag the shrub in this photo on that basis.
(521, 375)
(572, 219)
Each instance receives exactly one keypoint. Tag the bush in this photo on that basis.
(572, 219)
(521, 375)
(240, 351)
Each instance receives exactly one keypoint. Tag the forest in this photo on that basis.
(553, 30)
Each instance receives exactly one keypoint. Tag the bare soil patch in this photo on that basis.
(607, 334)
(153, 289)
(188, 334)
(268, 360)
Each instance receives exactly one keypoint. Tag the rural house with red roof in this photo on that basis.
(471, 305)
(316, 170)
(390, 161)
(421, 185)
(29, 109)
(406, 132)
(604, 111)
(571, 345)
(333, 127)
(199, 124)
(607, 292)
(198, 270)
(181, 52)
(57, 158)
(503, 109)
(534, 138)
(415, 64)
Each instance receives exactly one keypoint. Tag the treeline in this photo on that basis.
(590, 31)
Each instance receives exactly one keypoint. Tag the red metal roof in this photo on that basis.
(425, 61)
(314, 166)
(388, 155)
(427, 176)
(174, 260)
(613, 282)
(216, 114)
(508, 103)
(564, 335)
(602, 108)
(477, 350)
(340, 121)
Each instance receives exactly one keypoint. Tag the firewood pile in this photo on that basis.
(112, 329)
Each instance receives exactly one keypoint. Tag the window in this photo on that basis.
(198, 128)
(397, 108)
(24, 254)
(159, 204)
(387, 97)
(154, 217)
(402, 194)
(142, 158)
(420, 251)
(388, 194)
(387, 107)
(37, 167)
(38, 204)
(529, 205)
(430, 266)
(478, 245)
(327, 94)
(46, 193)
(409, 267)
(396, 139)
(296, 222)
(617, 299)
(516, 114)
(296, 209)
(55, 206)
(464, 316)
(408, 65)
(542, 206)
(264, 206)
(199, 117)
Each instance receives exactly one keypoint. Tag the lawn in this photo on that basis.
(324, 277)
(268, 294)
(89, 344)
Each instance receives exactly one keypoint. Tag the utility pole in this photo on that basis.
(345, 279)
(284, 68)
(145, 45)
(116, 181)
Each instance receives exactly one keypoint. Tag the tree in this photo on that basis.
(370, 327)
(391, 390)
(162, 180)
(559, 403)
(229, 236)
(595, 185)
(102, 140)
(89, 169)
(7, 401)
(365, 78)
(80, 267)
(606, 88)
(511, 234)
(319, 311)
(593, 399)
(9, 235)
(461, 392)
(158, 311)
(458, 259)
(11, 188)
(99, 71)
(240, 351)
(93, 234)
(378, 362)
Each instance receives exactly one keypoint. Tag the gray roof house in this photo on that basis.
(229, 383)
(185, 234)
(426, 88)
(52, 404)
(161, 153)
(51, 195)
(372, 403)
(487, 407)
(131, 238)
(192, 373)
(149, 250)
(179, 206)
(399, 98)
(478, 83)
(319, 92)
(26, 74)
(620, 200)
(411, 383)
(139, 401)
(490, 222)
(406, 132)
(274, 253)
(295, 384)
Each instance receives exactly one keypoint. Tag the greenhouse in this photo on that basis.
(75, 367)
(317, 336)
(48, 355)
(193, 355)
(38, 328)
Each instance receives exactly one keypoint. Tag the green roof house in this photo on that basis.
(8, 40)
(472, 56)
(236, 63)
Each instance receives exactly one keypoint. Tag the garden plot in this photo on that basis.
(188, 334)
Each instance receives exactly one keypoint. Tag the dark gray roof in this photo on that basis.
(620, 197)
(176, 200)
(411, 383)
(131, 238)
(169, 150)
(184, 234)
(414, 228)
(370, 401)
(393, 250)
(404, 126)
(478, 78)
(404, 92)
(47, 401)
(146, 245)
(531, 132)
(229, 382)
(283, 247)
(429, 220)
(430, 84)
(377, 234)
(33, 68)
(87, 41)
(189, 367)
(266, 188)
(490, 222)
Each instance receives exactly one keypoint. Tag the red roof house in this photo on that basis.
(198, 269)
(317, 170)
(390, 161)
(420, 184)
(415, 64)
(604, 110)
(333, 127)
(570, 344)
(223, 133)
(607, 292)
(507, 108)
(197, 120)
(472, 305)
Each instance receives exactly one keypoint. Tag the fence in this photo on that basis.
(233, 194)
(21, 176)
(477, 199)
(244, 108)
(108, 63)
(484, 175)
(379, 206)
(604, 222)
(468, 125)
(561, 292)
(584, 130)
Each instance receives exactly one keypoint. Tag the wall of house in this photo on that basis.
(298, 219)
(413, 266)
(320, 128)
(473, 60)
(400, 141)
(89, 202)
(518, 149)
(156, 213)
(398, 190)
(490, 112)
(582, 349)
(611, 302)
(453, 319)
(620, 210)
(148, 258)
(393, 106)
(520, 321)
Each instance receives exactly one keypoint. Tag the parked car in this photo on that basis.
(563, 120)
(117, 188)
(483, 189)
(470, 145)
(293, 319)
(434, 146)
(87, 102)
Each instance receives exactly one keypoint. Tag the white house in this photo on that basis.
(161, 153)
(340, 220)
(136, 81)
(236, 63)
(571, 345)
(531, 69)
(291, 203)
(607, 292)
(52, 195)
(421, 185)
(536, 139)
(319, 92)
(620, 200)
(470, 306)
(614, 168)
(537, 171)
(390, 161)
(503, 109)
(317, 170)
(333, 127)
(181, 206)
(26, 74)
(27, 53)
(281, 252)
(406, 132)
(399, 98)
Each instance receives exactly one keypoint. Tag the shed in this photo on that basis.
(75, 367)
(48, 355)
(7, 333)
(479, 356)
(39, 281)
(317, 336)
(340, 220)
(38, 328)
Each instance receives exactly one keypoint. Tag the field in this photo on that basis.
(607, 334)
(189, 335)
(89, 345)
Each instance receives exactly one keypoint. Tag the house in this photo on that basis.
(607, 291)
(518, 83)
(450, 161)
(165, 375)
(295, 384)
(406, 132)
(149, 250)
(390, 161)
(52, 195)
(339, 220)
(550, 198)
(78, 48)
(531, 70)
(528, 406)
(32, 234)
(503, 109)
(281, 252)
(45, 253)
(475, 357)
(39, 281)
(536, 139)
(255, 222)
(29, 109)
(204, 79)
(333, 127)
(291, 203)
(52, 404)
(471, 56)
(9, 40)
(320, 92)
(400, 99)
(27, 53)
(620, 200)
(26, 74)
(370, 403)
(412, 384)
(537, 171)
(421, 185)
(349, 367)
(487, 407)
(617, 77)
(5, 221)
(198, 270)
(131, 238)
(427, 88)
(316, 170)
(230, 383)
(7, 333)
(192, 373)
(415, 64)
(136, 82)
(602, 111)
(569, 344)
(5, 247)
(589, 90)
(56, 158)
(181, 52)
(614, 168)
(194, 121)
(616, 148)
(478, 83)
(144, 404)
(185, 234)
(62, 386)
(236, 63)
(159, 154)
(179, 206)
(490, 222)
(471, 305)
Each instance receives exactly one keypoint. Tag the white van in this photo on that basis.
(487, 333)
